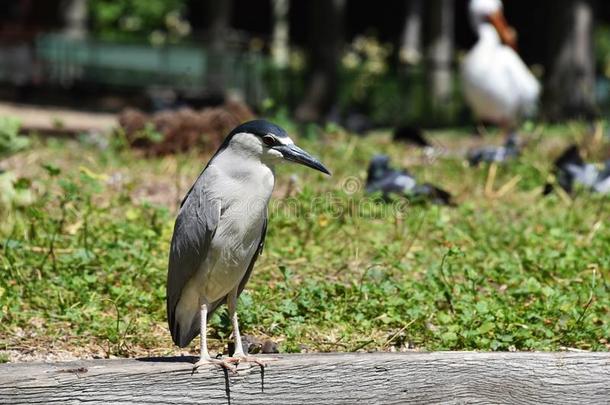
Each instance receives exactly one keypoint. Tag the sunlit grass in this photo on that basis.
(505, 269)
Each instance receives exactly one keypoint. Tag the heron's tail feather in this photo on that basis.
(183, 336)
(184, 321)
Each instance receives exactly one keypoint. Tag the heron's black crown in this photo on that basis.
(259, 128)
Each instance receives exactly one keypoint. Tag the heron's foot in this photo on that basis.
(244, 358)
(223, 363)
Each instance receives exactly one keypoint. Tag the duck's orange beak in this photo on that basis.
(506, 32)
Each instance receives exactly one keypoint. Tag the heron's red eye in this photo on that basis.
(269, 140)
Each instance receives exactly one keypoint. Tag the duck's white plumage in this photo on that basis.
(498, 86)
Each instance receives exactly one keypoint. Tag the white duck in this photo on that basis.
(498, 86)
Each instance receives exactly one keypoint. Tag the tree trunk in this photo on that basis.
(411, 39)
(280, 43)
(440, 56)
(325, 43)
(75, 18)
(410, 55)
(218, 23)
(570, 88)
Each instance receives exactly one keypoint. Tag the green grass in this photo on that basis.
(506, 269)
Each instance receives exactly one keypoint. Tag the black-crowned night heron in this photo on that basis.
(220, 231)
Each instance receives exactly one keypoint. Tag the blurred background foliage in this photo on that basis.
(379, 61)
(157, 20)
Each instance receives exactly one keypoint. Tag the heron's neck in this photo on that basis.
(244, 168)
(488, 34)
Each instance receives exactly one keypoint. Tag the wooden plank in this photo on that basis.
(49, 120)
(399, 378)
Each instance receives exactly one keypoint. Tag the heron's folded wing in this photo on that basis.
(193, 232)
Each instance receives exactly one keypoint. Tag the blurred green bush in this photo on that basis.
(10, 141)
(159, 21)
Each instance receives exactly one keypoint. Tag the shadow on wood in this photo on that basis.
(173, 359)
(446, 377)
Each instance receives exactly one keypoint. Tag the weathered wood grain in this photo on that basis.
(399, 378)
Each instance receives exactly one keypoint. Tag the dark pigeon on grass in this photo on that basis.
(410, 134)
(393, 182)
(603, 179)
(414, 135)
(353, 120)
(489, 154)
(572, 171)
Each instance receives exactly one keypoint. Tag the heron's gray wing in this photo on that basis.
(193, 232)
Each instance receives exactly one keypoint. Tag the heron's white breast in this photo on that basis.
(244, 190)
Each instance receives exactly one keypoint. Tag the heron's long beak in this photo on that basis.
(506, 32)
(295, 154)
